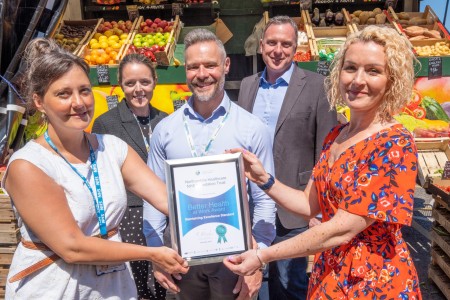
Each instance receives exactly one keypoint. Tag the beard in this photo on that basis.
(207, 96)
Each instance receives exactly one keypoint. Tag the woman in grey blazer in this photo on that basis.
(133, 121)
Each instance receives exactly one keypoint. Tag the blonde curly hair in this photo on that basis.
(400, 67)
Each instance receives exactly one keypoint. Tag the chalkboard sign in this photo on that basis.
(103, 74)
(434, 67)
(112, 101)
(323, 67)
(446, 171)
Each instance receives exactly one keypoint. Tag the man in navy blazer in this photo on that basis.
(292, 102)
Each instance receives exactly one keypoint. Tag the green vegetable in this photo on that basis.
(434, 109)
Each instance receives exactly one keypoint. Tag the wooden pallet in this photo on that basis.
(9, 237)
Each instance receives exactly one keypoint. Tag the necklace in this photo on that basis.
(140, 125)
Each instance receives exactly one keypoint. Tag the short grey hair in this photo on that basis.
(280, 20)
(199, 35)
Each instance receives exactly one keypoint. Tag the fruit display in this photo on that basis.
(302, 56)
(151, 39)
(116, 27)
(415, 33)
(327, 18)
(71, 33)
(406, 19)
(157, 25)
(435, 49)
(149, 2)
(107, 2)
(374, 17)
(105, 46)
(146, 51)
(328, 47)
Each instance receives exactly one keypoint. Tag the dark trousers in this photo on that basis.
(207, 282)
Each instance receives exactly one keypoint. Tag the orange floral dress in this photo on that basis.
(374, 178)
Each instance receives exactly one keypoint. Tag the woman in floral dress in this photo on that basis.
(363, 183)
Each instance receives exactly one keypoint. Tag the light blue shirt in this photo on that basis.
(269, 99)
(241, 129)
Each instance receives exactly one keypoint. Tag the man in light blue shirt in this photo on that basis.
(210, 124)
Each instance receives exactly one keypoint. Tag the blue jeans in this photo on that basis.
(287, 277)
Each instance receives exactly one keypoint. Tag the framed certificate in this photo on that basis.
(208, 207)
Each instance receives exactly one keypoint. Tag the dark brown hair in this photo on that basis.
(46, 62)
(138, 59)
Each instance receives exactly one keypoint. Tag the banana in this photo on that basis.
(176, 62)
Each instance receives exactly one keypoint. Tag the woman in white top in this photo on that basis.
(68, 189)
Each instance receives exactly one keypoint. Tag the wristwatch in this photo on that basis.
(268, 184)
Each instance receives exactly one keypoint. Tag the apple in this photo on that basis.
(138, 44)
(107, 24)
(113, 23)
(138, 36)
(163, 24)
(154, 25)
(157, 20)
(168, 29)
(143, 24)
(120, 22)
(149, 22)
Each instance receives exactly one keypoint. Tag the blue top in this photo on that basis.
(270, 98)
(241, 129)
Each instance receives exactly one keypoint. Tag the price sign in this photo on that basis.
(435, 67)
(446, 172)
(323, 67)
(112, 101)
(103, 74)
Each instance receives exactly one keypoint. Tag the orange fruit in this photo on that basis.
(100, 60)
(113, 54)
(108, 49)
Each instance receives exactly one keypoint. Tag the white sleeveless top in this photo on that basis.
(61, 280)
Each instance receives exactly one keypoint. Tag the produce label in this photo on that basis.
(323, 67)
(103, 74)
(446, 173)
(434, 67)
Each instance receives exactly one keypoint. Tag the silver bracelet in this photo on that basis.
(263, 264)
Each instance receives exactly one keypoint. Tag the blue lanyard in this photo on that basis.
(99, 207)
(211, 139)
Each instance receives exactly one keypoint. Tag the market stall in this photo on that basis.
(109, 31)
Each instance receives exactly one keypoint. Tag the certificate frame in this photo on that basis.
(208, 199)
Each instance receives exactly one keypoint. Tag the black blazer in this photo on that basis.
(120, 122)
(303, 123)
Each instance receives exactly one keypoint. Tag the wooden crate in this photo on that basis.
(163, 58)
(337, 34)
(359, 27)
(432, 156)
(86, 50)
(430, 21)
(430, 43)
(93, 23)
(440, 279)
(9, 238)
